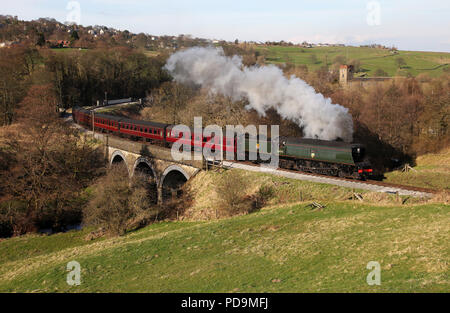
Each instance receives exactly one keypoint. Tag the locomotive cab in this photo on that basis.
(358, 153)
(359, 157)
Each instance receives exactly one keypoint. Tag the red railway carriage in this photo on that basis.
(82, 116)
(213, 143)
(151, 131)
(143, 129)
(173, 136)
(106, 122)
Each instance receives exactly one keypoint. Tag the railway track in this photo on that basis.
(370, 185)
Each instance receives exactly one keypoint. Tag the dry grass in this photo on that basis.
(285, 191)
(432, 171)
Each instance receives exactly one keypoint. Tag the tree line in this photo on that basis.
(79, 77)
(45, 166)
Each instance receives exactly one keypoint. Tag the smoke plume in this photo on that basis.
(265, 88)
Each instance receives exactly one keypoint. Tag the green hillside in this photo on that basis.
(279, 249)
(432, 63)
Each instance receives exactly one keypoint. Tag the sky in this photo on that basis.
(406, 24)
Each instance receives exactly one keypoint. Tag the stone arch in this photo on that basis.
(172, 179)
(144, 167)
(118, 157)
(143, 160)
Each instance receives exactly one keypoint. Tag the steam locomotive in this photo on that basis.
(331, 158)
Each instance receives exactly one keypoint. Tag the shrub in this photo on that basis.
(264, 194)
(381, 73)
(117, 204)
(231, 192)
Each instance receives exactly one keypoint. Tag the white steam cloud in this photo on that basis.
(265, 88)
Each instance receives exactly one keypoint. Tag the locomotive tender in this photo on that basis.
(332, 158)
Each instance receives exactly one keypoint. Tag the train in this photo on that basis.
(331, 158)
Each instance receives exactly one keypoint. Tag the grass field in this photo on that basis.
(279, 249)
(285, 247)
(371, 59)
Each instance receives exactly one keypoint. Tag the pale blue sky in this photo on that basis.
(407, 24)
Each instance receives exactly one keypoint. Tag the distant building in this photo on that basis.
(59, 43)
(8, 44)
(345, 74)
(346, 78)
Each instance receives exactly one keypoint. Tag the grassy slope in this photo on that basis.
(371, 59)
(283, 248)
(285, 191)
(432, 171)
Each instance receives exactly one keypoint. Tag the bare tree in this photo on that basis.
(118, 205)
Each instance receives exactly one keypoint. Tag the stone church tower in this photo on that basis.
(345, 74)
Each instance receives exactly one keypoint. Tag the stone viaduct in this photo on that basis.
(151, 162)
